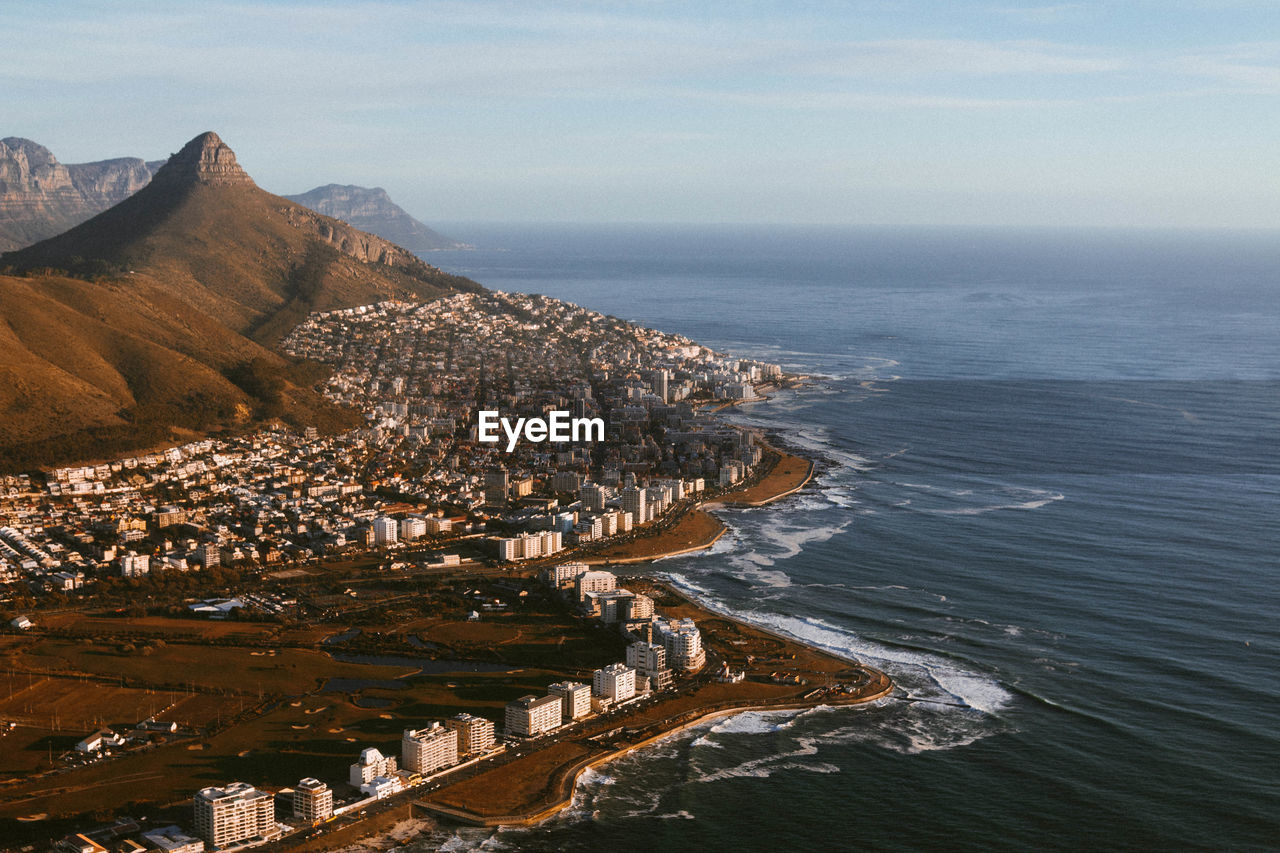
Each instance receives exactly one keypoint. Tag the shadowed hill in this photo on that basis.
(161, 313)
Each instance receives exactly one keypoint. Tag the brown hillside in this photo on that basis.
(159, 313)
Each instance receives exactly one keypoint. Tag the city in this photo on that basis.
(126, 577)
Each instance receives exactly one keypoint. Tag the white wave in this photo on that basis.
(979, 510)
(763, 768)
(1024, 498)
(464, 840)
(978, 692)
(920, 670)
(755, 722)
(779, 538)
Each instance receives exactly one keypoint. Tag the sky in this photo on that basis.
(1146, 114)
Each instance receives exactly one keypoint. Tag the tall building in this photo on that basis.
(134, 565)
(238, 812)
(650, 661)
(475, 734)
(562, 576)
(635, 501)
(566, 481)
(411, 528)
(576, 699)
(312, 801)
(660, 381)
(683, 642)
(371, 765)
(209, 554)
(530, 716)
(427, 750)
(496, 485)
(640, 609)
(592, 497)
(647, 658)
(596, 581)
(610, 607)
(508, 550)
(385, 531)
(617, 681)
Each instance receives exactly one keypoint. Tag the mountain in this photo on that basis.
(40, 197)
(373, 210)
(158, 317)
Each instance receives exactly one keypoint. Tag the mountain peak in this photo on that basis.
(205, 160)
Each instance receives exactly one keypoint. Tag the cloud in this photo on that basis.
(927, 57)
(1252, 68)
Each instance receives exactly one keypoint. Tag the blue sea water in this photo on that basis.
(1048, 506)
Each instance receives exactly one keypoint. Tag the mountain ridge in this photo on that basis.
(163, 311)
(41, 197)
(371, 209)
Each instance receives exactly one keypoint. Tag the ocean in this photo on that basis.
(1049, 507)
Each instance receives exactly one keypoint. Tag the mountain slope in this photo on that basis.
(40, 197)
(161, 312)
(373, 210)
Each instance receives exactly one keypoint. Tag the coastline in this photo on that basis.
(788, 474)
(542, 784)
(572, 774)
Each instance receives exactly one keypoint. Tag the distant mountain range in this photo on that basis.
(40, 197)
(157, 318)
(373, 210)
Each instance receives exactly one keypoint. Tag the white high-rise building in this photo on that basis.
(134, 565)
(312, 801)
(576, 696)
(564, 575)
(596, 581)
(238, 812)
(610, 607)
(509, 549)
(427, 750)
(650, 662)
(475, 734)
(371, 765)
(552, 541)
(635, 502)
(641, 609)
(438, 525)
(385, 531)
(412, 528)
(617, 681)
(647, 658)
(683, 642)
(530, 716)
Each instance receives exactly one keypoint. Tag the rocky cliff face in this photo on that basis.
(204, 160)
(373, 210)
(40, 197)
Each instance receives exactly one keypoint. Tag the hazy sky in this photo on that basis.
(1095, 113)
